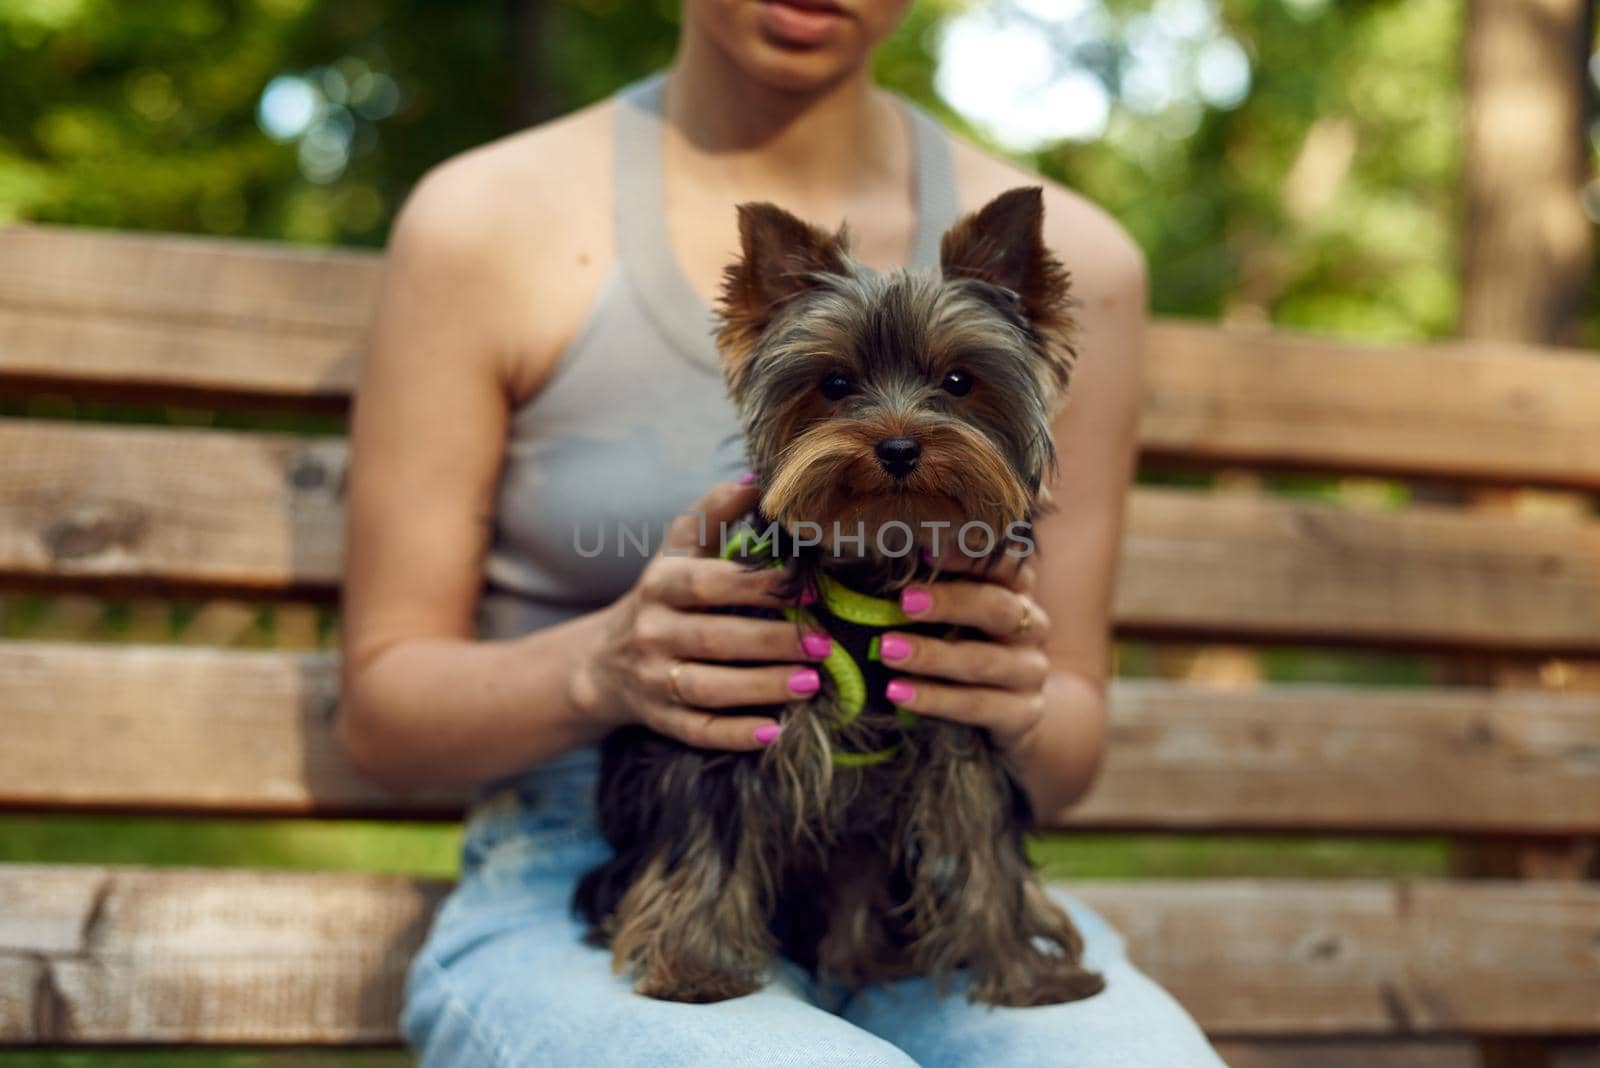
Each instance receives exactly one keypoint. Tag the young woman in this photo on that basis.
(541, 378)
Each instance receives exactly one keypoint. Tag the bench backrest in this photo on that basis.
(1466, 577)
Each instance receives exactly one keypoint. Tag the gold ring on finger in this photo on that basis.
(674, 673)
(1025, 624)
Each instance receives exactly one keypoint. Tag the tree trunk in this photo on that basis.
(1528, 246)
(1527, 251)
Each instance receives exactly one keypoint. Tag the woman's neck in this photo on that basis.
(840, 136)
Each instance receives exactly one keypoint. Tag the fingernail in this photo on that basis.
(768, 734)
(808, 596)
(894, 647)
(748, 479)
(805, 681)
(817, 645)
(899, 691)
(914, 599)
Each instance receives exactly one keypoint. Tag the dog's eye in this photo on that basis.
(957, 383)
(836, 387)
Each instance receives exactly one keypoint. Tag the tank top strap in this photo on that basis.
(644, 247)
(938, 204)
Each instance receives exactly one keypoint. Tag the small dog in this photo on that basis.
(864, 843)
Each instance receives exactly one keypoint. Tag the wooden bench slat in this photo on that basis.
(188, 507)
(186, 279)
(203, 730)
(228, 511)
(182, 315)
(117, 955)
(1351, 1053)
(198, 362)
(1469, 410)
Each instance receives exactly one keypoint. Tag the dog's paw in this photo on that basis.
(697, 989)
(1052, 981)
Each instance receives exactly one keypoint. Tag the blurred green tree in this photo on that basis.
(1307, 172)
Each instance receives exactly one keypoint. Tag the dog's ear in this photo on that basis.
(779, 259)
(1002, 243)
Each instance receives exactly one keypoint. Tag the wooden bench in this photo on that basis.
(1499, 966)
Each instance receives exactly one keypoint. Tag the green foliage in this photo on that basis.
(1326, 200)
(143, 116)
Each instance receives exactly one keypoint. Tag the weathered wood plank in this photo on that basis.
(109, 955)
(106, 955)
(1497, 411)
(207, 730)
(1348, 758)
(199, 508)
(261, 512)
(167, 728)
(185, 315)
(1268, 568)
(1350, 1053)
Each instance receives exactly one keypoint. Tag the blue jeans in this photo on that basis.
(505, 979)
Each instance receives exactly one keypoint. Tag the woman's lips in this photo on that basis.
(800, 23)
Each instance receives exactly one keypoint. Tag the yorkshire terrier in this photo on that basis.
(865, 843)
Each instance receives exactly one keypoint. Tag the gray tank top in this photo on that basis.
(634, 424)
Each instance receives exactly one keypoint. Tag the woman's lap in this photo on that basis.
(505, 979)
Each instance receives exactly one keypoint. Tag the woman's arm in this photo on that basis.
(426, 702)
(1080, 539)
(422, 701)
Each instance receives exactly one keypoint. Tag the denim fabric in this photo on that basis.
(505, 979)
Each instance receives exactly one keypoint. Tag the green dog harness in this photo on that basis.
(855, 621)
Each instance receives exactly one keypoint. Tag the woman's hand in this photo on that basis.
(668, 661)
(999, 684)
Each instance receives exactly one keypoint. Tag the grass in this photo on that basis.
(430, 850)
(1083, 855)
(419, 849)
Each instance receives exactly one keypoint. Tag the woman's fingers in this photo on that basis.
(691, 691)
(1014, 572)
(999, 612)
(696, 684)
(698, 532)
(694, 583)
(1005, 714)
(707, 636)
(712, 730)
(1021, 668)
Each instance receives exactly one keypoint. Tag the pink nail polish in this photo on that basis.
(747, 479)
(914, 599)
(808, 596)
(805, 682)
(817, 645)
(768, 734)
(899, 691)
(894, 647)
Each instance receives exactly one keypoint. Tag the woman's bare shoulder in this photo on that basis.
(519, 231)
(555, 175)
(1107, 264)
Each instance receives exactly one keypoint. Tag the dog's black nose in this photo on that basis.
(898, 455)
